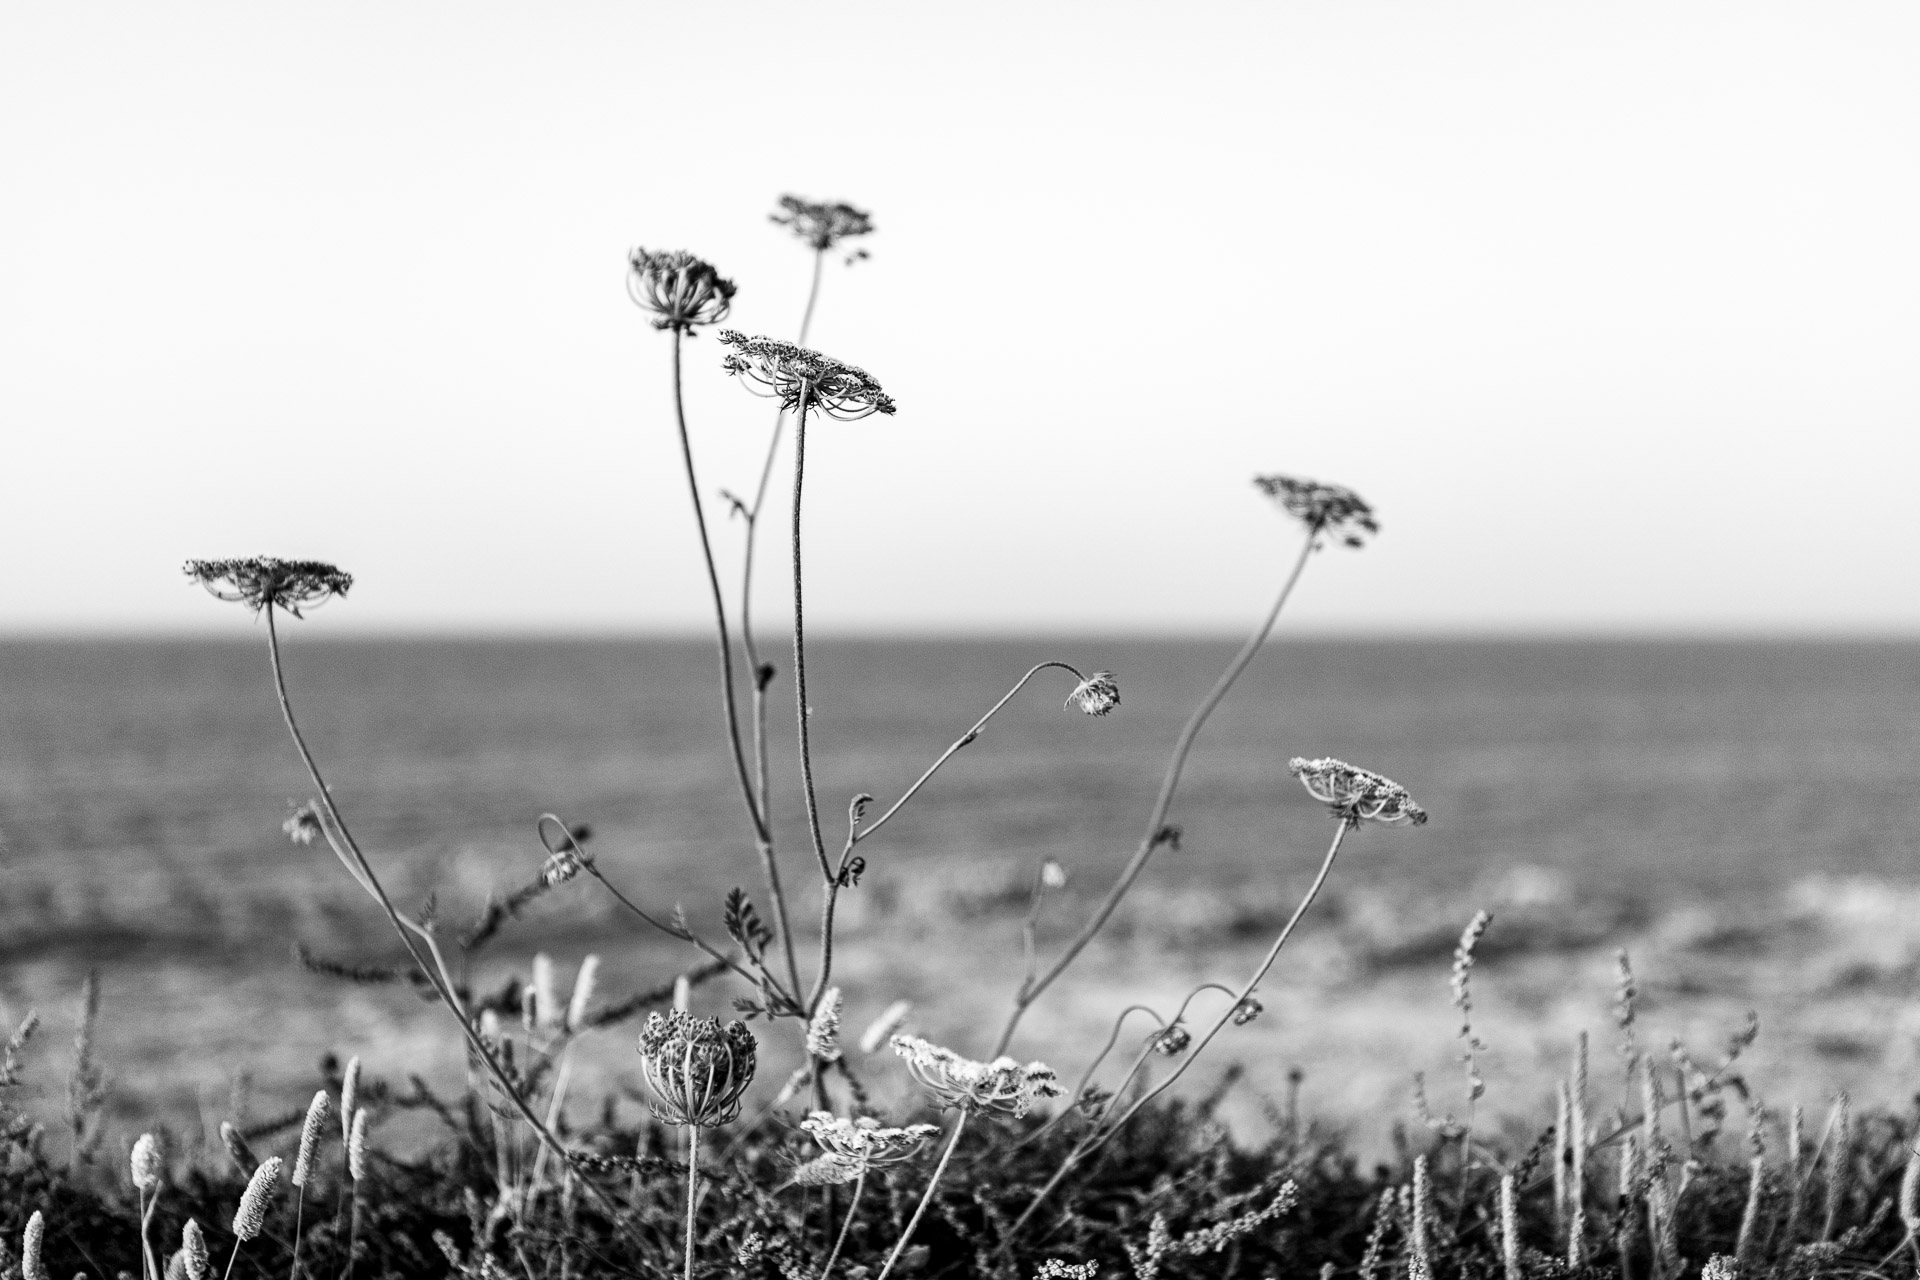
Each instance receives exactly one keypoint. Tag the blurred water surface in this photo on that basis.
(142, 784)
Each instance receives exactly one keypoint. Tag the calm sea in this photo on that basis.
(142, 785)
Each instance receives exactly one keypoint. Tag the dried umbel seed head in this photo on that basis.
(1357, 795)
(1059, 1269)
(252, 1213)
(303, 824)
(310, 1139)
(796, 376)
(697, 1067)
(862, 1143)
(31, 1242)
(261, 581)
(1173, 1041)
(1246, 1011)
(823, 1032)
(824, 225)
(679, 289)
(148, 1164)
(1002, 1085)
(1098, 694)
(194, 1244)
(1328, 507)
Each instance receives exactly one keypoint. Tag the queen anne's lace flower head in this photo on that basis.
(861, 1143)
(261, 581)
(1098, 694)
(1357, 795)
(824, 225)
(679, 289)
(697, 1067)
(795, 376)
(1001, 1085)
(1339, 511)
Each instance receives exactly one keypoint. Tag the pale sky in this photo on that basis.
(1611, 310)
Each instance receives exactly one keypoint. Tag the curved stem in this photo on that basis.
(926, 1198)
(1031, 991)
(859, 1181)
(693, 1181)
(432, 968)
(800, 641)
(686, 935)
(1094, 1141)
(963, 740)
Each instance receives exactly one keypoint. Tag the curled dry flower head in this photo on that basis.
(1053, 875)
(1246, 1011)
(795, 375)
(261, 581)
(1173, 1041)
(824, 225)
(1322, 506)
(697, 1067)
(252, 1214)
(303, 824)
(1001, 1085)
(309, 1139)
(679, 289)
(1098, 694)
(148, 1164)
(1355, 794)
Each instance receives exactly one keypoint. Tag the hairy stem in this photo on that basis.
(859, 1181)
(1156, 821)
(693, 1182)
(926, 1198)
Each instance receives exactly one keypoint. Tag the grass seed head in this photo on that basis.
(1322, 507)
(349, 1096)
(194, 1244)
(260, 581)
(1357, 795)
(149, 1165)
(885, 1025)
(824, 225)
(1097, 695)
(252, 1214)
(823, 1032)
(680, 290)
(794, 375)
(310, 1138)
(1002, 1085)
(698, 1067)
(31, 1242)
(357, 1146)
(582, 993)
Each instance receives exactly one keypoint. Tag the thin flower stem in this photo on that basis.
(693, 1182)
(684, 935)
(147, 1207)
(859, 1181)
(964, 739)
(1031, 991)
(927, 1197)
(434, 967)
(1102, 1133)
(800, 641)
(235, 1256)
(299, 1216)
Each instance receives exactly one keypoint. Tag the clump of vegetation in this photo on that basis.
(1011, 1173)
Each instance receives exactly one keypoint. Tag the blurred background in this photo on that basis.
(1609, 313)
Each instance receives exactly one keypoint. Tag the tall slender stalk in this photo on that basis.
(434, 968)
(800, 643)
(859, 1181)
(756, 807)
(1105, 1131)
(926, 1197)
(1030, 990)
(693, 1183)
